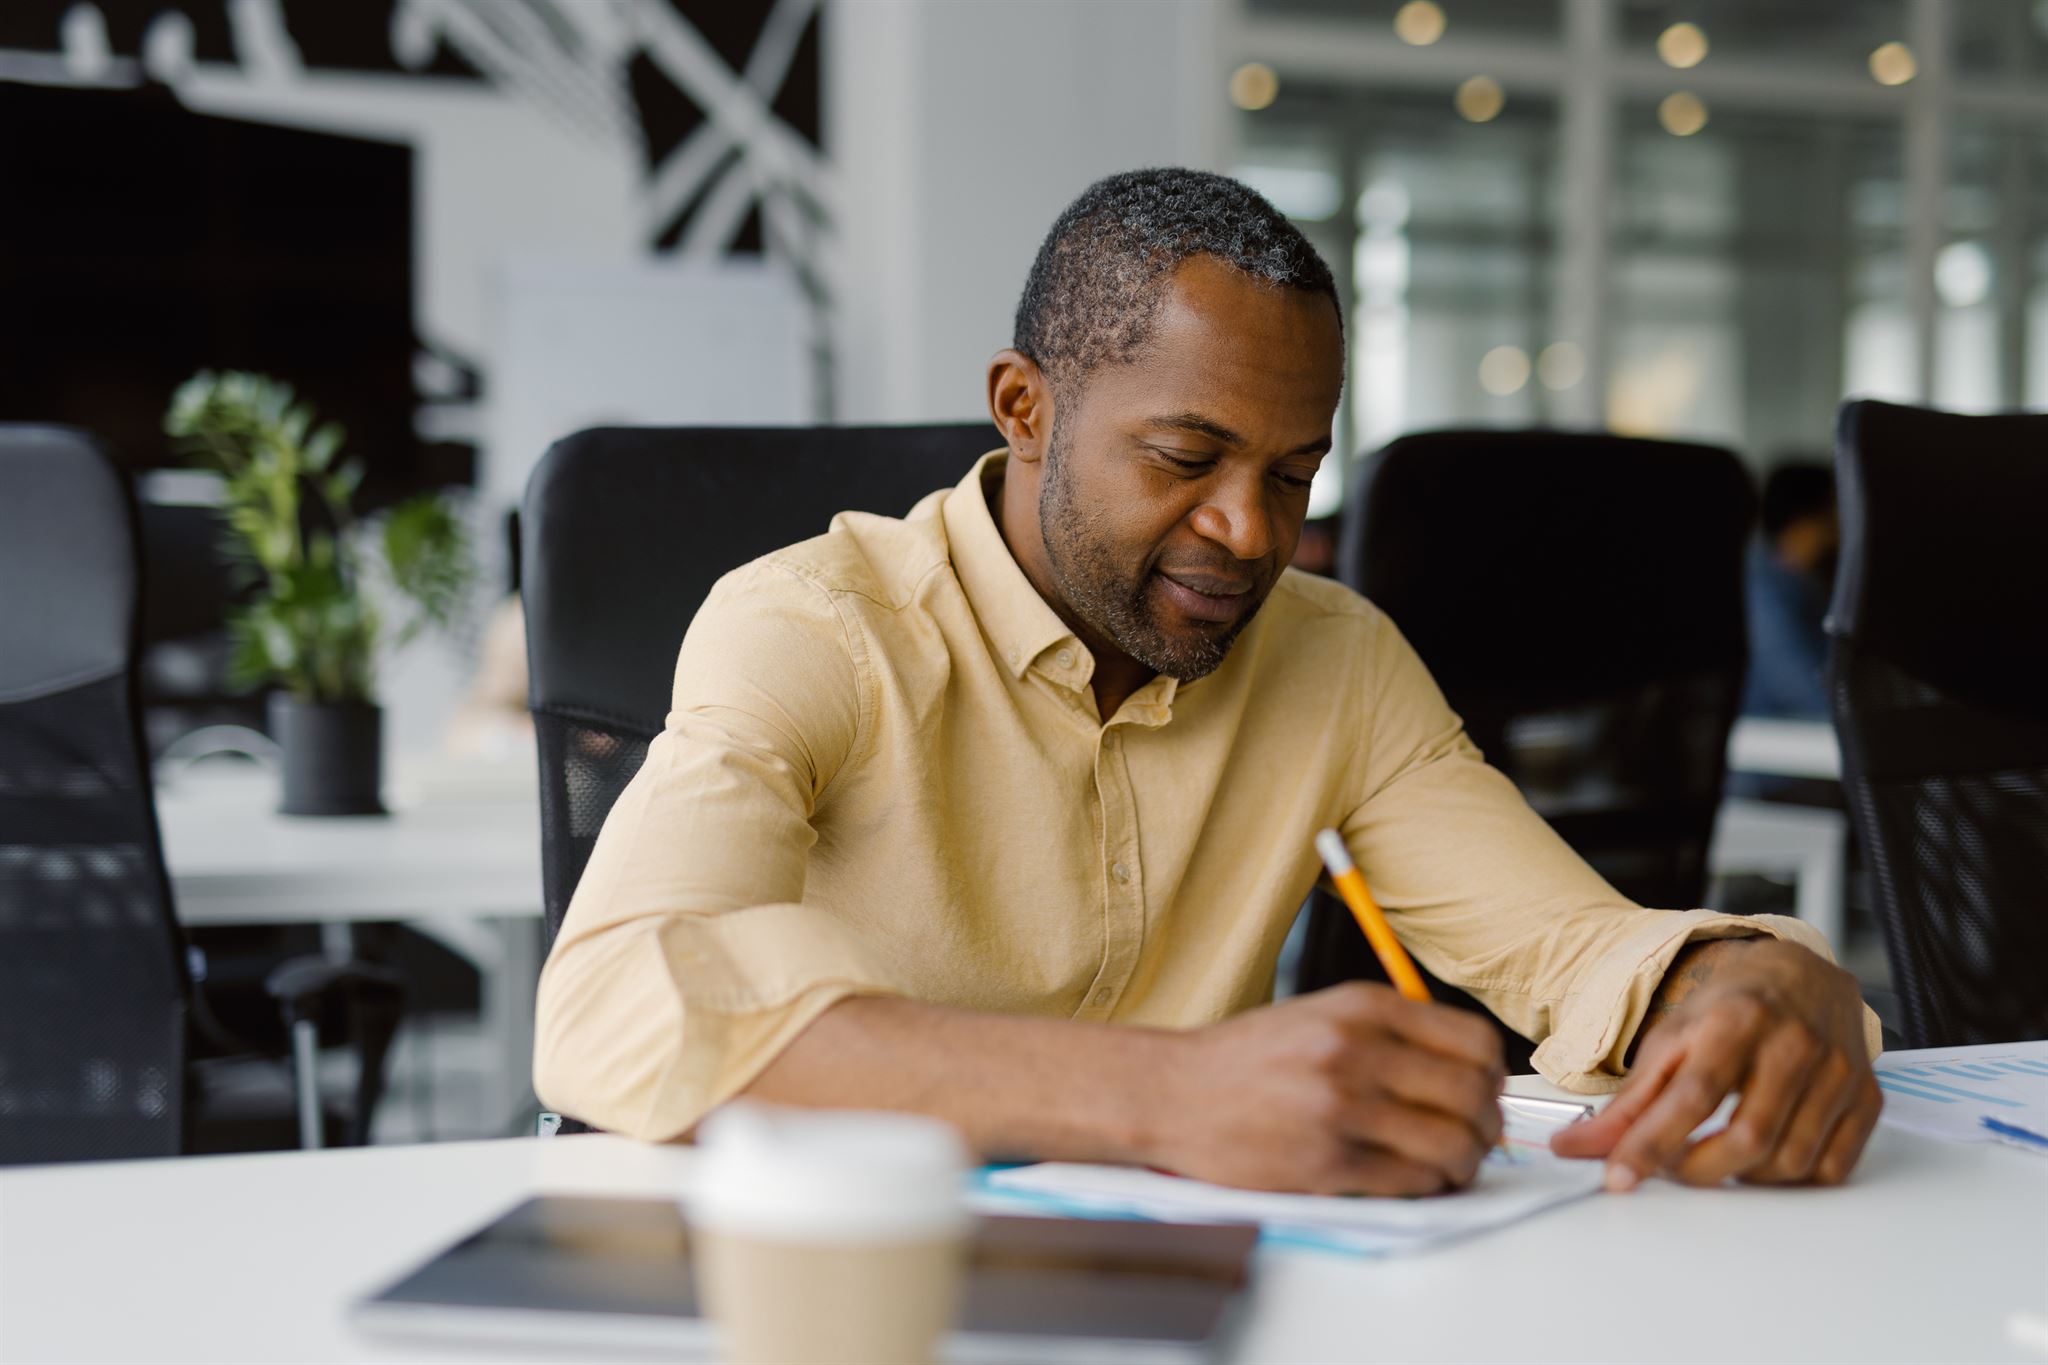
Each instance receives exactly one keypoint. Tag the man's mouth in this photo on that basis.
(1206, 597)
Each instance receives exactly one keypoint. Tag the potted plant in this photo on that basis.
(311, 627)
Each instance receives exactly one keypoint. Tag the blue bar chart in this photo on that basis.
(1948, 1092)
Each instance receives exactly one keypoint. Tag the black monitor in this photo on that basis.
(143, 241)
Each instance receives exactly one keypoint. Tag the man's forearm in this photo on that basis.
(1044, 1088)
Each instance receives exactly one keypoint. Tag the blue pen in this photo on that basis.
(2018, 1136)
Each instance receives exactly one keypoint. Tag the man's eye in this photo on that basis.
(1191, 466)
(1294, 480)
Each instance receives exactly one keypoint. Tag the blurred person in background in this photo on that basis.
(1791, 571)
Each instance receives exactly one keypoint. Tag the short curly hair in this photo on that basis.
(1093, 291)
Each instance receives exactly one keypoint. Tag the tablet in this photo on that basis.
(559, 1271)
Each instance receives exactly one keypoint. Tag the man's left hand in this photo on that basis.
(1766, 1020)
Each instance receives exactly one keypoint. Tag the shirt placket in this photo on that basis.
(1119, 872)
(1122, 879)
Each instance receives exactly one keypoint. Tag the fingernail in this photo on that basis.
(1620, 1179)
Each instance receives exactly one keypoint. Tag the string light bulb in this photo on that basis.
(1419, 23)
(1480, 99)
(1893, 64)
(1504, 370)
(1560, 365)
(1682, 113)
(1254, 86)
(1682, 45)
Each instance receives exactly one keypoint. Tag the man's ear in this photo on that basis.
(1020, 401)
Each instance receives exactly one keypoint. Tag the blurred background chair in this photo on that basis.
(107, 1045)
(1578, 597)
(1939, 682)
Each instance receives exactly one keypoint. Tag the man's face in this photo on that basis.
(1175, 485)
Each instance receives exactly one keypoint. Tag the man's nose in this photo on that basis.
(1237, 516)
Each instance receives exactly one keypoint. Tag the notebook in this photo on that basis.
(579, 1272)
(1517, 1181)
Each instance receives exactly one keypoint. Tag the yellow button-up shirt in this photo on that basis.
(884, 774)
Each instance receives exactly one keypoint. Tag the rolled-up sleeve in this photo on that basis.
(688, 958)
(1491, 900)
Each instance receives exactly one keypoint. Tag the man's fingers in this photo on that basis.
(1826, 1098)
(1717, 1053)
(1448, 1146)
(1458, 1034)
(1772, 1093)
(1596, 1136)
(1371, 1170)
(1838, 1158)
(1429, 1080)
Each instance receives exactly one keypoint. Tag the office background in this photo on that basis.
(467, 227)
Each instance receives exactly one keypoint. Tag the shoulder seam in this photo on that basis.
(867, 705)
(838, 590)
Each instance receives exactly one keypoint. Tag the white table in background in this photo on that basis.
(1925, 1255)
(1785, 748)
(1776, 838)
(464, 868)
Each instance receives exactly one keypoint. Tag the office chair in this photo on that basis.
(624, 532)
(1578, 597)
(1938, 677)
(101, 1025)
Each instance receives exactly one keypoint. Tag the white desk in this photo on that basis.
(466, 871)
(1922, 1257)
(1785, 748)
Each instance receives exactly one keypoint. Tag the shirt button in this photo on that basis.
(1102, 996)
(1120, 872)
(1066, 658)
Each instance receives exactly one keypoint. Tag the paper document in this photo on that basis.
(1947, 1092)
(1512, 1185)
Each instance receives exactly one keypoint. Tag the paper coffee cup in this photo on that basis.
(828, 1236)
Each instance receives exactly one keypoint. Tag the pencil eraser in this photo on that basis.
(1336, 857)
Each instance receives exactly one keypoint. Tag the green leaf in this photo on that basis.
(309, 628)
(427, 551)
(321, 447)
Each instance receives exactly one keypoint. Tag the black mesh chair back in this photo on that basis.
(92, 988)
(1938, 677)
(624, 531)
(1578, 597)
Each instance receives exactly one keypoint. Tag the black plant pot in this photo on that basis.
(333, 756)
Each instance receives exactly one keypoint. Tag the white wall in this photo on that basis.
(957, 131)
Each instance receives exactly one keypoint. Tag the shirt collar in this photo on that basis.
(1015, 618)
(1018, 622)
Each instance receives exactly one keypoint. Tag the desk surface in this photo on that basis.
(1922, 1257)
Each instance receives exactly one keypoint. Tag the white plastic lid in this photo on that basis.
(812, 1175)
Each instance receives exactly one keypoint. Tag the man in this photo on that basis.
(1001, 812)
(1790, 572)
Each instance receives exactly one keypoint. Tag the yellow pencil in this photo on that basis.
(1380, 934)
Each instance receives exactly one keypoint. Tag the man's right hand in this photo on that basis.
(1350, 1090)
